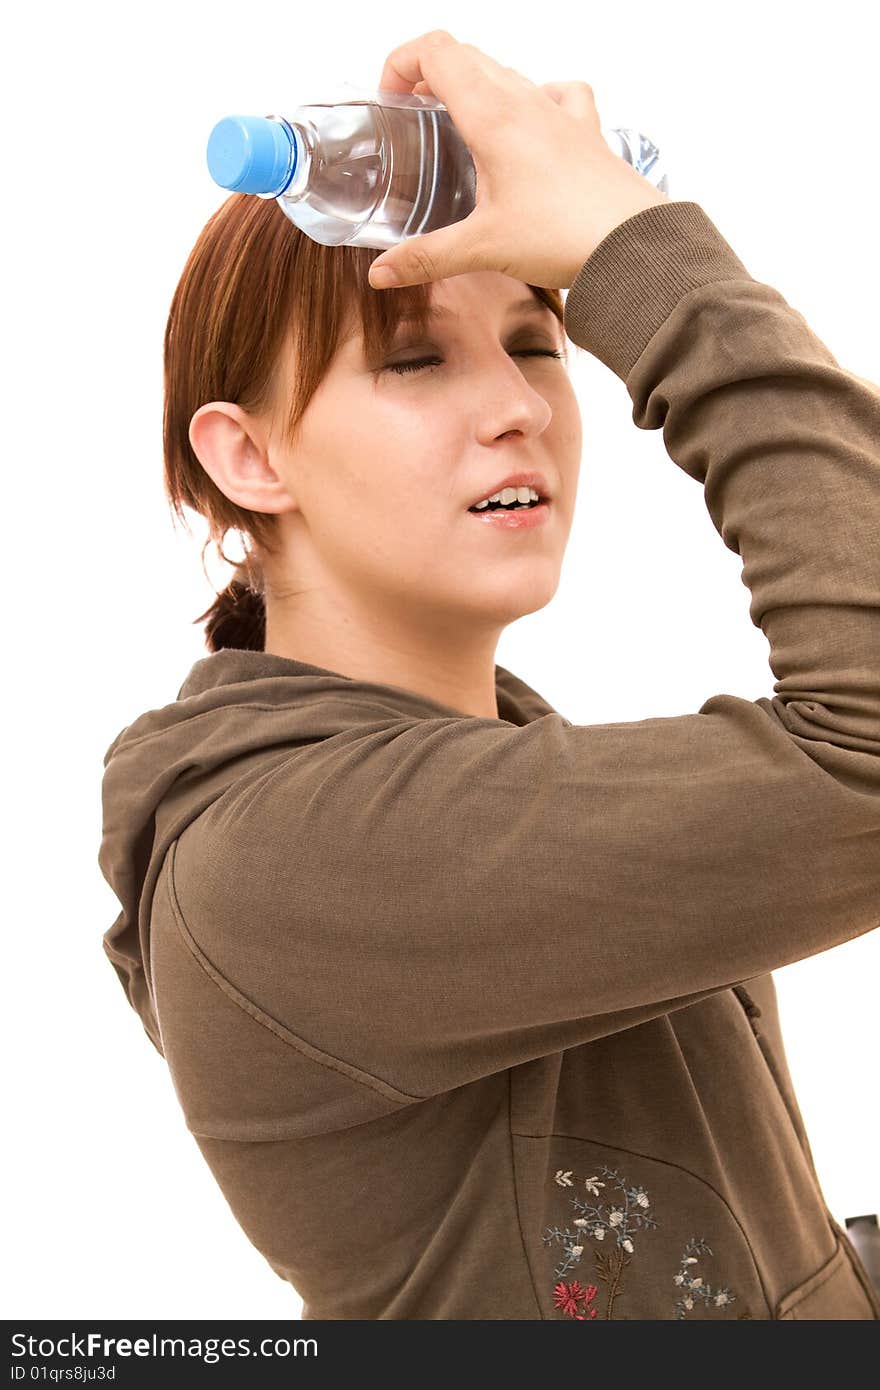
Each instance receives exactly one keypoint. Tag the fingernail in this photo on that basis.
(382, 277)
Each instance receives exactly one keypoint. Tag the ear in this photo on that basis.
(231, 447)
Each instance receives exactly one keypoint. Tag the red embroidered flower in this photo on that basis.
(566, 1298)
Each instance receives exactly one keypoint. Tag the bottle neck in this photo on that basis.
(302, 138)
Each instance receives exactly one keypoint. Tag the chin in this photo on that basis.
(511, 606)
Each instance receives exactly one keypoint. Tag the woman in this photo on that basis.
(469, 1008)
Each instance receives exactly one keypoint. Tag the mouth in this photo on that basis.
(518, 492)
(510, 508)
(520, 517)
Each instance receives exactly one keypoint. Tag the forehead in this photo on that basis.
(529, 305)
(448, 318)
(452, 313)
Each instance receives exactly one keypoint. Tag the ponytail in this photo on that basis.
(237, 617)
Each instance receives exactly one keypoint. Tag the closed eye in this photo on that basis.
(418, 364)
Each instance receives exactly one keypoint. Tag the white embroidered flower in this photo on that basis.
(564, 1179)
(643, 1200)
(579, 1221)
(615, 1218)
(577, 1249)
(721, 1298)
(593, 1185)
(690, 1260)
(679, 1279)
(628, 1246)
(688, 1303)
(599, 1233)
(695, 1283)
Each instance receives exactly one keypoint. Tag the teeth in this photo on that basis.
(508, 495)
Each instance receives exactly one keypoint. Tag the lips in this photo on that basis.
(517, 519)
(529, 478)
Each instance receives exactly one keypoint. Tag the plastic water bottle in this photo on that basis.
(369, 168)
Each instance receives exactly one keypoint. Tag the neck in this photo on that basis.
(433, 661)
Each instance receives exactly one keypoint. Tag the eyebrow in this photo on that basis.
(521, 306)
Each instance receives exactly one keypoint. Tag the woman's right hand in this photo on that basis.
(549, 187)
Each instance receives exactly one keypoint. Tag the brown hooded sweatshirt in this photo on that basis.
(473, 1018)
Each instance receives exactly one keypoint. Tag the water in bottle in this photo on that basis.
(370, 168)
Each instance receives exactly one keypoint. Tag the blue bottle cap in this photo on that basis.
(250, 154)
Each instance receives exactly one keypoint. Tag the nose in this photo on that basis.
(521, 403)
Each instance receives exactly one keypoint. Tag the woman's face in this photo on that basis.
(387, 463)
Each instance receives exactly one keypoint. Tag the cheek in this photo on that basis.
(565, 440)
(381, 484)
(408, 448)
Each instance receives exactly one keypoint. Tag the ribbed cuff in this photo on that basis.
(638, 273)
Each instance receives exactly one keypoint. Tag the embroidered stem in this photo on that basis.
(610, 1269)
(618, 1221)
(612, 1292)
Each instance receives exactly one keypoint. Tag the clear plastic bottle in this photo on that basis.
(369, 168)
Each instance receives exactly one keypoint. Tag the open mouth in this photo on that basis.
(520, 516)
(508, 507)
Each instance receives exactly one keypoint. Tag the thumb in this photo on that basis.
(451, 250)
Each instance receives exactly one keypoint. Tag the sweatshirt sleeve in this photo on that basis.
(431, 900)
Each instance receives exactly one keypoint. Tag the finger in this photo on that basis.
(455, 73)
(448, 251)
(519, 79)
(575, 97)
(403, 65)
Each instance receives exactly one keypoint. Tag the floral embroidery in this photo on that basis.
(619, 1219)
(567, 1296)
(594, 1221)
(693, 1284)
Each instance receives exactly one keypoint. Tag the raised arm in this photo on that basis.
(422, 901)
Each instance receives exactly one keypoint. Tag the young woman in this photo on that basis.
(468, 1007)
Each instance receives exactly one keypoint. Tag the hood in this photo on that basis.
(235, 709)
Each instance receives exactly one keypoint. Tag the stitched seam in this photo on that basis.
(522, 1234)
(204, 714)
(667, 1164)
(140, 739)
(830, 1270)
(764, 1046)
(265, 1020)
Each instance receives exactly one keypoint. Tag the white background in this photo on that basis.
(766, 116)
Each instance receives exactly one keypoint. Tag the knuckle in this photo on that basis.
(507, 106)
(480, 63)
(519, 77)
(423, 264)
(483, 256)
(480, 249)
